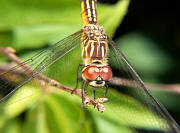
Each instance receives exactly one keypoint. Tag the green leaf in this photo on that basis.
(36, 120)
(63, 115)
(126, 113)
(20, 101)
(51, 21)
(110, 16)
(142, 50)
(39, 35)
(12, 126)
(27, 13)
(106, 126)
(6, 38)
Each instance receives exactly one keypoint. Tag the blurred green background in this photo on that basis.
(148, 35)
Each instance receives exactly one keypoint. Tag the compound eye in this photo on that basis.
(105, 69)
(91, 72)
(106, 73)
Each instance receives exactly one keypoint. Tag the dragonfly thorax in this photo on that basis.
(94, 45)
(94, 31)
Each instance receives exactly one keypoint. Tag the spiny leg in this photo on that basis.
(107, 87)
(77, 79)
(84, 87)
(94, 93)
(82, 91)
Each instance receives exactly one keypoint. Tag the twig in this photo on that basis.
(174, 88)
(9, 52)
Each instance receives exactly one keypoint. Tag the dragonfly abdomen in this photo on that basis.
(89, 12)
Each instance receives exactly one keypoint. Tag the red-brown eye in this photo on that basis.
(91, 72)
(106, 73)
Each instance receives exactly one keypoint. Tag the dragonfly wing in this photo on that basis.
(139, 91)
(33, 66)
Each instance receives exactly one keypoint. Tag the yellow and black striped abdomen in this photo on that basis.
(89, 12)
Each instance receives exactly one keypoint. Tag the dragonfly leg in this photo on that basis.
(94, 93)
(107, 87)
(84, 87)
(82, 93)
(77, 79)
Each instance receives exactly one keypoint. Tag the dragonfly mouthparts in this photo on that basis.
(97, 83)
(99, 80)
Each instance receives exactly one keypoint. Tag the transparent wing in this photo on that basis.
(29, 69)
(133, 104)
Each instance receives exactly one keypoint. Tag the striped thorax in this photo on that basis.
(94, 45)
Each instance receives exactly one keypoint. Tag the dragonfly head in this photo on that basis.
(97, 76)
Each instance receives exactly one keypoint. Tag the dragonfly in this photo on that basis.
(98, 51)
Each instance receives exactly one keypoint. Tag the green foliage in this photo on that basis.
(31, 24)
(151, 56)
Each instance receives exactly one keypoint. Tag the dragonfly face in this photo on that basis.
(97, 76)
